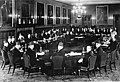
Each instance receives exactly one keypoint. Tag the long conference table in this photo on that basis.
(71, 53)
(71, 57)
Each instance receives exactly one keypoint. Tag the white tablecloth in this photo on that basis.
(40, 54)
(73, 54)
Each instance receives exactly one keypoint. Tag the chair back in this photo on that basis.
(26, 60)
(113, 56)
(2, 53)
(91, 62)
(118, 46)
(10, 56)
(68, 63)
(103, 58)
(4, 56)
(57, 62)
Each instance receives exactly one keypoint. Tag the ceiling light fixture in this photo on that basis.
(79, 9)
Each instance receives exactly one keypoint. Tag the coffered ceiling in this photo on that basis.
(72, 2)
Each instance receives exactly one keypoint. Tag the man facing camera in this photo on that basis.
(32, 54)
(84, 61)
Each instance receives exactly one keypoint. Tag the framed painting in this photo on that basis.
(102, 15)
(5, 11)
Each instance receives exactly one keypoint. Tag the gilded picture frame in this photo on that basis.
(102, 15)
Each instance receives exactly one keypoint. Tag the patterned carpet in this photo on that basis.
(37, 77)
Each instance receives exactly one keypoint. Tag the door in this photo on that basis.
(116, 22)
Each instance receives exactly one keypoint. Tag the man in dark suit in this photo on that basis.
(98, 52)
(17, 55)
(28, 39)
(113, 43)
(84, 61)
(60, 50)
(5, 52)
(86, 56)
(36, 46)
(32, 54)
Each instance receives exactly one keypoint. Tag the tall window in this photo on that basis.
(40, 14)
(25, 14)
(64, 16)
(69, 16)
(57, 15)
(49, 14)
(25, 10)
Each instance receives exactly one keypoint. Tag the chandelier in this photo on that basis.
(79, 10)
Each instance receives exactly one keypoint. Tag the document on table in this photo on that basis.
(73, 54)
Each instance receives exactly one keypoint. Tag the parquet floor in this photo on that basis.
(37, 77)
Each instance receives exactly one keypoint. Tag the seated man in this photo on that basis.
(46, 63)
(98, 52)
(32, 54)
(84, 61)
(17, 55)
(36, 46)
(60, 50)
(86, 56)
(5, 51)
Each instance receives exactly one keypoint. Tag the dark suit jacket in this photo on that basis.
(85, 59)
(37, 47)
(99, 52)
(32, 55)
(112, 45)
(60, 53)
(5, 52)
(16, 55)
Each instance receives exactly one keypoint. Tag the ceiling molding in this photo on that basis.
(72, 2)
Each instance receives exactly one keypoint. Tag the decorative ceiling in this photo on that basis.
(72, 2)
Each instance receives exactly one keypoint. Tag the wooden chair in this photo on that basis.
(103, 61)
(27, 66)
(117, 50)
(12, 63)
(5, 59)
(68, 67)
(113, 55)
(58, 64)
(90, 67)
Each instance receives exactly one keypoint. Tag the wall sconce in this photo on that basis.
(64, 18)
(11, 15)
(44, 17)
(32, 16)
(53, 17)
(33, 21)
(110, 17)
(93, 18)
(58, 17)
(19, 21)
